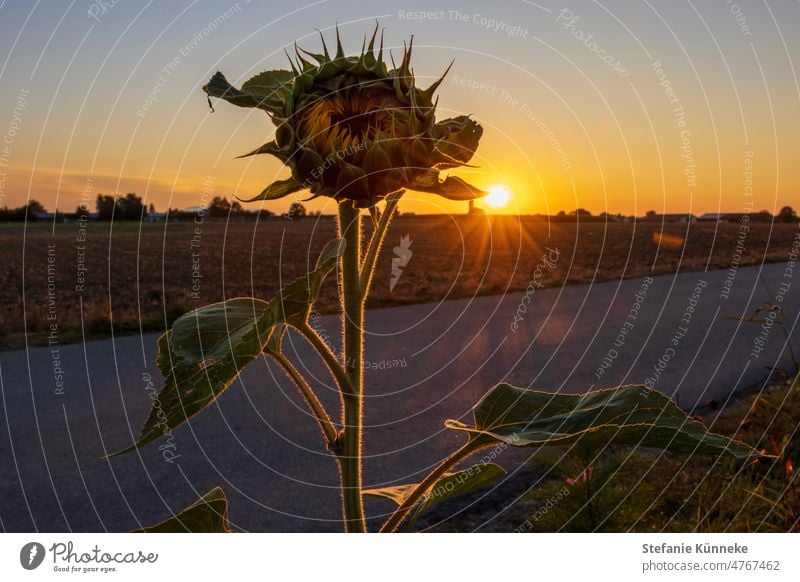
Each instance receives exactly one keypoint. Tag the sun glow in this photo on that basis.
(498, 197)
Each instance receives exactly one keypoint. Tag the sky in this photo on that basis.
(612, 106)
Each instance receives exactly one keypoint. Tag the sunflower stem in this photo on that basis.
(352, 394)
(331, 361)
(308, 394)
(400, 514)
(376, 242)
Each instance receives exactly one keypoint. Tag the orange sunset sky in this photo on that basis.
(613, 106)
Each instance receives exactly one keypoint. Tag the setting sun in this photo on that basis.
(498, 197)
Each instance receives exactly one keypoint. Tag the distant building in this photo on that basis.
(472, 209)
(194, 210)
(684, 218)
(49, 216)
(736, 217)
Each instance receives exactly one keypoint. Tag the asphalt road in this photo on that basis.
(429, 362)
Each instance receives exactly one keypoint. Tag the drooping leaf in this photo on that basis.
(276, 190)
(458, 138)
(271, 84)
(449, 486)
(208, 515)
(206, 349)
(626, 415)
(206, 335)
(219, 87)
(200, 357)
(452, 188)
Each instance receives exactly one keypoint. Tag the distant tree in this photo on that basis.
(297, 210)
(105, 206)
(650, 214)
(130, 207)
(561, 213)
(580, 212)
(32, 207)
(237, 208)
(762, 216)
(151, 209)
(787, 214)
(219, 207)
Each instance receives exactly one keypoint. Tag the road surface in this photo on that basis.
(427, 363)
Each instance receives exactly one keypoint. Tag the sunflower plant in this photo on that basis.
(358, 131)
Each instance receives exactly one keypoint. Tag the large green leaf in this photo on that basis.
(447, 487)
(626, 415)
(208, 515)
(206, 349)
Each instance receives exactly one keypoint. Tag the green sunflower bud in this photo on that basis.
(351, 128)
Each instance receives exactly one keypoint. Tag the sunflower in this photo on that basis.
(351, 128)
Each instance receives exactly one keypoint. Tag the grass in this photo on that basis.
(630, 491)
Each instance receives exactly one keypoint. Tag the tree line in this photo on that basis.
(131, 208)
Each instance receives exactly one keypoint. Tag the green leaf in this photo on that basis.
(293, 304)
(272, 148)
(219, 87)
(200, 357)
(626, 415)
(458, 138)
(206, 349)
(449, 486)
(452, 188)
(272, 84)
(396, 493)
(275, 343)
(276, 190)
(208, 515)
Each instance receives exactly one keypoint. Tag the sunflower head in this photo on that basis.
(351, 128)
